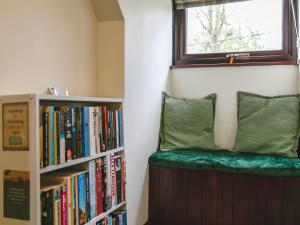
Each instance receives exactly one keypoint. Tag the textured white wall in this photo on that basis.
(199, 82)
(47, 44)
(148, 39)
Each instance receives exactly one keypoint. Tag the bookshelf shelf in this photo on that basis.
(92, 116)
(78, 161)
(103, 215)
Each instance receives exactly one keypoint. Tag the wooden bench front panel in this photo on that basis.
(181, 197)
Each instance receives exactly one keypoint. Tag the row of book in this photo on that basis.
(68, 132)
(75, 197)
(118, 218)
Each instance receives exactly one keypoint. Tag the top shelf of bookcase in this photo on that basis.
(74, 99)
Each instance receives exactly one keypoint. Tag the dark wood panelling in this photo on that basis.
(179, 197)
(224, 199)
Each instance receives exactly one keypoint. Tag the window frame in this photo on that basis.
(286, 56)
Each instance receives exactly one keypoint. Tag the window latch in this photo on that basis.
(234, 56)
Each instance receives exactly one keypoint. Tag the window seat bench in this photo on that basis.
(223, 188)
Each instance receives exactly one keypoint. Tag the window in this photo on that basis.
(240, 32)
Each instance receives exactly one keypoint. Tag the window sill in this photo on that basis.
(178, 66)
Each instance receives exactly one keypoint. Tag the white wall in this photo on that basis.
(148, 39)
(198, 82)
(45, 44)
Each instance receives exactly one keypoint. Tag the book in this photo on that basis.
(85, 131)
(87, 196)
(96, 127)
(99, 191)
(74, 133)
(113, 182)
(64, 206)
(92, 131)
(104, 127)
(61, 134)
(47, 206)
(56, 206)
(55, 138)
(82, 199)
(45, 139)
(79, 135)
(68, 130)
(41, 135)
(118, 166)
(92, 182)
(50, 110)
(108, 183)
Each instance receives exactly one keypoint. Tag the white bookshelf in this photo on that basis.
(30, 160)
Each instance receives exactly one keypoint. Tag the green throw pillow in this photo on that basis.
(267, 125)
(187, 123)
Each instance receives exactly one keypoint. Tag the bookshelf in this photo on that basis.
(29, 160)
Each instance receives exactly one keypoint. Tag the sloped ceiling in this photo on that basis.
(107, 10)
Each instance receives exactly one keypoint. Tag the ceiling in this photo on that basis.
(107, 10)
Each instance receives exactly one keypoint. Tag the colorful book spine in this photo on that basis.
(47, 207)
(79, 135)
(118, 165)
(99, 192)
(97, 125)
(68, 126)
(87, 197)
(41, 136)
(76, 201)
(100, 132)
(85, 130)
(104, 127)
(64, 206)
(62, 142)
(74, 133)
(57, 208)
(93, 198)
(108, 182)
(113, 181)
(51, 135)
(117, 129)
(45, 139)
(55, 137)
(82, 216)
(92, 131)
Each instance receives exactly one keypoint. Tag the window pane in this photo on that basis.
(235, 27)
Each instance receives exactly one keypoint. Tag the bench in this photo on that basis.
(223, 188)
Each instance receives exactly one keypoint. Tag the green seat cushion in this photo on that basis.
(225, 161)
(267, 125)
(187, 123)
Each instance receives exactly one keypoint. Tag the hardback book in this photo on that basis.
(85, 131)
(92, 182)
(56, 206)
(74, 132)
(99, 191)
(55, 137)
(113, 181)
(61, 133)
(104, 127)
(118, 166)
(45, 139)
(64, 206)
(97, 137)
(47, 205)
(104, 183)
(87, 197)
(68, 132)
(76, 216)
(108, 183)
(92, 131)
(79, 135)
(123, 169)
(100, 129)
(82, 199)
(50, 110)
(117, 129)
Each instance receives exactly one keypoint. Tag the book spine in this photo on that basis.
(118, 165)
(109, 182)
(62, 142)
(73, 206)
(47, 207)
(51, 135)
(97, 137)
(92, 131)
(92, 179)
(64, 206)
(100, 132)
(82, 216)
(74, 133)
(57, 143)
(69, 199)
(123, 169)
(104, 127)
(108, 130)
(104, 184)
(113, 181)
(79, 135)
(85, 129)
(117, 129)
(56, 210)
(87, 197)
(41, 136)
(68, 124)
(45, 139)
(120, 128)
(76, 217)
(99, 192)
(55, 137)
